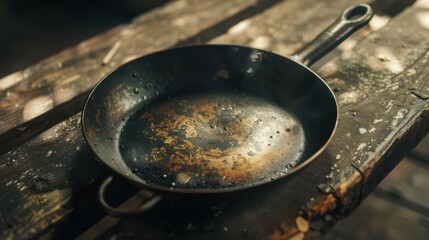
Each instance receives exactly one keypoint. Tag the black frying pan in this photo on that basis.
(215, 118)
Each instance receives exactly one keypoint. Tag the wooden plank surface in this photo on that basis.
(262, 27)
(384, 103)
(24, 198)
(35, 196)
(42, 181)
(27, 94)
(319, 195)
(364, 89)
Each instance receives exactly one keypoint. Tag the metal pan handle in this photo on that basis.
(118, 212)
(352, 19)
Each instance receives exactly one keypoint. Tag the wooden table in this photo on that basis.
(49, 177)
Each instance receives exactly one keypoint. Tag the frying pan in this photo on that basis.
(214, 118)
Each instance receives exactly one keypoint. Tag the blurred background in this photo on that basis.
(33, 30)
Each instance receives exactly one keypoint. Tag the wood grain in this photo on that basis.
(58, 80)
(41, 184)
(382, 112)
(317, 196)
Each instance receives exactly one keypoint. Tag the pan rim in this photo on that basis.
(164, 189)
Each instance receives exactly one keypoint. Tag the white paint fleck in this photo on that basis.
(337, 157)
(348, 134)
(389, 106)
(377, 120)
(362, 130)
(361, 146)
(348, 97)
(393, 86)
(372, 130)
(49, 153)
(399, 115)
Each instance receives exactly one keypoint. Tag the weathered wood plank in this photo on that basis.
(230, 218)
(29, 93)
(361, 90)
(21, 199)
(43, 178)
(281, 33)
(44, 181)
(286, 195)
(386, 117)
(47, 189)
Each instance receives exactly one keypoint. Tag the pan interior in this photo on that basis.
(211, 140)
(178, 120)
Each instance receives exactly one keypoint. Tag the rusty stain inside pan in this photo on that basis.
(172, 122)
(211, 140)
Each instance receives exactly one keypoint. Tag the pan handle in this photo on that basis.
(118, 212)
(352, 19)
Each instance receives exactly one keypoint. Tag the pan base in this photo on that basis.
(211, 140)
